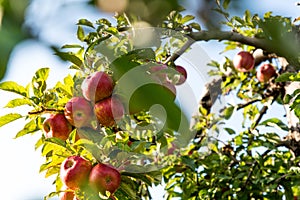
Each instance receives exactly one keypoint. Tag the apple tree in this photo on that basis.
(114, 126)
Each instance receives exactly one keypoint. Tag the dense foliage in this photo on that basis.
(154, 146)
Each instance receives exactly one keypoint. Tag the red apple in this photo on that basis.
(67, 195)
(243, 61)
(265, 72)
(104, 178)
(157, 74)
(56, 125)
(97, 86)
(108, 111)
(74, 172)
(183, 74)
(79, 112)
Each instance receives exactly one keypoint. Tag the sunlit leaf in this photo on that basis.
(18, 102)
(70, 56)
(275, 122)
(9, 118)
(30, 127)
(85, 22)
(187, 18)
(12, 86)
(80, 33)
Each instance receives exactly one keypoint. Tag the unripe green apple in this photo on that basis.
(97, 86)
(56, 125)
(74, 172)
(265, 72)
(79, 112)
(104, 178)
(243, 61)
(108, 111)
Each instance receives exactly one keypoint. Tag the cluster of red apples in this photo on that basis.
(96, 102)
(245, 62)
(78, 173)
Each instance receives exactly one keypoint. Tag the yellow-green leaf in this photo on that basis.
(18, 102)
(12, 86)
(9, 118)
(30, 127)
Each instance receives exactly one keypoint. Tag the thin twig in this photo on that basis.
(240, 106)
(43, 109)
(180, 51)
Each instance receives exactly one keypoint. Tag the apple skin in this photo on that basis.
(104, 178)
(157, 68)
(74, 172)
(97, 86)
(56, 125)
(183, 74)
(243, 61)
(79, 112)
(108, 111)
(265, 72)
(67, 195)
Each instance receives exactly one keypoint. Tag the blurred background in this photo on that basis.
(28, 32)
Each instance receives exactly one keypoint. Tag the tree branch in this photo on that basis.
(230, 36)
(280, 49)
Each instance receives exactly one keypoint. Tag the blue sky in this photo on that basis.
(56, 25)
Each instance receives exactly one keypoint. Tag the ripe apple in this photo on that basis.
(108, 111)
(157, 68)
(78, 112)
(243, 61)
(104, 178)
(265, 72)
(183, 74)
(74, 172)
(97, 86)
(67, 195)
(157, 74)
(56, 125)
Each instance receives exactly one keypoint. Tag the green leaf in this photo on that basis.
(85, 22)
(230, 131)
(9, 118)
(297, 110)
(112, 30)
(247, 16)
(195, 25)
(124, 63)
(11, 86)
(228, 112)
(71, 57)
(18, 102)
(286, 77)
(226, 3)
(30, 127)
(42, 73)
(80, 33)
(187, 18)
(39, 81)
(56, 141)
(72, 46)
(275, 122)
(189, 162)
